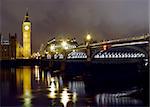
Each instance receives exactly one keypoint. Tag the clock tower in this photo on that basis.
(26, 30)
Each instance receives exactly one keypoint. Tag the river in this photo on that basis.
(30, 86)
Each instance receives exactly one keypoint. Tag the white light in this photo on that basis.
(106, 56)
(97, 56)
(138, 54)
(142, 55)
(123, 55)
(37, 73)
(109, 55)
(133, 43)
(113, 55)
(48, 56)
(116, 56)
(74, 97)
(88, 37)
(69, 57)
(135, 55)
(129, 55)
(55, 56)
(146, 63)
(126, 55)
(102, 56)
(64, 45)
(26, 27)
(132, 55)
(52, 47)
(65, 97)
(119, 55)
(46, 52)
(61, 56)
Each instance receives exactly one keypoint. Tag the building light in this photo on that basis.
(88, 37)
(52, 47)
(104, 47)
(26, 27)
(64, 44)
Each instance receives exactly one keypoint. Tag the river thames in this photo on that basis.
(72, 86)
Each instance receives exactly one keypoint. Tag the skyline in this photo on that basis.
(104, 19)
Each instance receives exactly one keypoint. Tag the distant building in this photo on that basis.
(59, 45)
(10, 49)
(19, 51)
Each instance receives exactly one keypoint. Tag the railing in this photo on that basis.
(114, 43)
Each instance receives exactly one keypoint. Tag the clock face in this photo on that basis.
(26, 27)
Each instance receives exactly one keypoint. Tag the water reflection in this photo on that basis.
(42, 75)
(77, 86)
(37, 73)
(37, 87)
(19, 80)
(27, 86)
(65, 97)
(57, 90)
(53, 87)
(74, 97)
(108, 99)
(23, 81)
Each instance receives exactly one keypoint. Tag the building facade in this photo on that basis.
(26, 30)
(12, 49)
(9, 48)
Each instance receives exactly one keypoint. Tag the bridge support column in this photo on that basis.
(52, 56)
(88, 52)
(65, 55)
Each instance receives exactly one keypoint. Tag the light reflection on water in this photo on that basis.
(108, 99)
(37, 73)
(26, 78)
(35, 85)
(78, 87)
(56, 90)
(65, 97)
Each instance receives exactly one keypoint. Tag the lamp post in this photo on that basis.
(52, 50)
(88, 48)
(88, 37)
(64, 45)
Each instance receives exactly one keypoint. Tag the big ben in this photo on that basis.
(26, 30)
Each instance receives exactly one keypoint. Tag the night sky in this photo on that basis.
(104, 19)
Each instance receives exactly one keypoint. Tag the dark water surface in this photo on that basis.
(34, 86)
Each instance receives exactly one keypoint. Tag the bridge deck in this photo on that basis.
(47, 62)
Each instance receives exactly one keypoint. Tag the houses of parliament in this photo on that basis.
(12, 49)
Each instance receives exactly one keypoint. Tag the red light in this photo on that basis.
(104, 47)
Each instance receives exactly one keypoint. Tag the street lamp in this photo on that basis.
(88, 37)
(88, 48)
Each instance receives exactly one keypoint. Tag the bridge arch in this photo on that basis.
(121, 52)
(58, 56)
(58, 45)
(77, 55)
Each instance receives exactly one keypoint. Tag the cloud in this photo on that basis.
(105, 19)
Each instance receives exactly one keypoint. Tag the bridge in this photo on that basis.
(122, 50)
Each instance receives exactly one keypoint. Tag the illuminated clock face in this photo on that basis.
(26, 27)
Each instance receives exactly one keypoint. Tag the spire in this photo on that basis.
(27, 16)
(27, 12)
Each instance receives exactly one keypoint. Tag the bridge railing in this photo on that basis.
(114, 43)
(144, 37)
